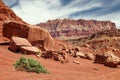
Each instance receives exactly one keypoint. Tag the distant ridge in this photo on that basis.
(74, 29)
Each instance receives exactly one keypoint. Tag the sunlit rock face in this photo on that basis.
(74, 29)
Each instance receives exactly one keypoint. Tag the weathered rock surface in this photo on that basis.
(80, 54)
(30, 50)
(90, 56)
(34, 34)
(86, 55)
(99, 58)
(108, 59)
(74, 29)
(56, 55)
(6, 14)
(17, 42)
(100, 40)
(112, 60)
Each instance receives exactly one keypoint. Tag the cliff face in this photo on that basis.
(73, 29)
(7, 14)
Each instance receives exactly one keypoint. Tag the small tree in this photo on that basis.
(30, 65)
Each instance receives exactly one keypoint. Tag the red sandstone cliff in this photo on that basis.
(73, 29)
(7, 14)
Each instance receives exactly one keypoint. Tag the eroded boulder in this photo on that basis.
(108, 59)
(111, 60)
(17, 42)
(34, 34)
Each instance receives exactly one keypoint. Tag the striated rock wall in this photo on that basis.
(73, 29)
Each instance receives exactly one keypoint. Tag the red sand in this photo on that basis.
(86, 70)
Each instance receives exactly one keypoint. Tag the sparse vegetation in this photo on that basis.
(30, 65)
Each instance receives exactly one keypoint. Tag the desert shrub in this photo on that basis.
(30, 65)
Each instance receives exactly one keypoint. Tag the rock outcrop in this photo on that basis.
(74, 29)
(111, 60)
(35, 35)
(108, 59)
(56, 55)
(17, 42)
(100, 40)
(7, 14)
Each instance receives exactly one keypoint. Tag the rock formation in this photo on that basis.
(7, 14)
(17, 42)
(23, 45)
(108, 59)
(74, 29)
(36, 35)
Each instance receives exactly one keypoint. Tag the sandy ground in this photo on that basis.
(86, 70)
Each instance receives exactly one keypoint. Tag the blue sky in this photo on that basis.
(36, 11)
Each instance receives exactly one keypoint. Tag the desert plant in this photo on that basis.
(30, 65)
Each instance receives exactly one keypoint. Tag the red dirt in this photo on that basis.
(68, 71)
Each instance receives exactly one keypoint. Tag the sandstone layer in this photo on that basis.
(74, 29)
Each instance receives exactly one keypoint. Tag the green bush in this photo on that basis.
(30, 65)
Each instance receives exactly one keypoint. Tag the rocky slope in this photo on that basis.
(100, 40)
(73, 29)
(7, 14)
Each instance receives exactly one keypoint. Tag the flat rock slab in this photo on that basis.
(17, 42)
(30, 50)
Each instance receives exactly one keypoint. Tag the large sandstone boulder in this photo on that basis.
(108, 59)
(34, 34)
(17, 42)
(111, 59)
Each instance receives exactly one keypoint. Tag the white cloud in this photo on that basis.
(36, 11)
